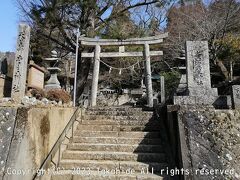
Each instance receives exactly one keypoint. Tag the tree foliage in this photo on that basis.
(213, 22)
(54, 24)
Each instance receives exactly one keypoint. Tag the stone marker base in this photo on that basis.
(220, 102)
(202, 91)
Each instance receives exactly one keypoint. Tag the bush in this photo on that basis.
(172, 79)
(58, 95)
(38, 93)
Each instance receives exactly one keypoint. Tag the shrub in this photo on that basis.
(58, 95)
(38, 93)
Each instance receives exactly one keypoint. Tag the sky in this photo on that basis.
(9, 20)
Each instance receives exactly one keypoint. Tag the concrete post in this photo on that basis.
(162, 89)
(95, 75)
(148, 75)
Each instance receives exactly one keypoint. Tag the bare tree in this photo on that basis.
(55, 22)
(198, 21)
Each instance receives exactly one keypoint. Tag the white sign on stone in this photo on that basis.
(20, 64)
(198, 69)
(236, 96)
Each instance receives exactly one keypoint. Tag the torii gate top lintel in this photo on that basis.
(117, 42)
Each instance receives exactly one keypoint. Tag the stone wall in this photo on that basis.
(210, 142)
(29, 135)
(7, 123)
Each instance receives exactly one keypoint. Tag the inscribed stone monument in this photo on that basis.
(198, 75)
(20, 64)
(198, 69)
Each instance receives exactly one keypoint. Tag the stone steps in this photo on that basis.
(115, 147)
(117, 128)
(85, 133)
(94, 165)
(118, 113)
(116, 156)
(120, 122)
(113, 140)
(103, 175)
(138, 117)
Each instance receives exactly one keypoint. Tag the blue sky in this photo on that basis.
(9, 20)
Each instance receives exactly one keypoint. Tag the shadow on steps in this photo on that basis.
(156, 153)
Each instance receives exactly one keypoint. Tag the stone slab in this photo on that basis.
(236, 96)
(198, 78)
(20, 63)
(198, 68)
(35, 78)
(219, 101)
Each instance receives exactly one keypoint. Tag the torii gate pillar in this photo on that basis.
(148, 75)
(95, 75)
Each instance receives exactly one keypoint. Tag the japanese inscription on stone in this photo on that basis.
(198, 69)
(20, 64)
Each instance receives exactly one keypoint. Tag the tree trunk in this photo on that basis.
(85, 64)
(223, 69)
(231, 70)
(82, 74)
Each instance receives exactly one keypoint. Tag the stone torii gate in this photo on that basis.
(97, 54)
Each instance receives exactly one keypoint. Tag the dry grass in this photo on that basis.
(58, 95)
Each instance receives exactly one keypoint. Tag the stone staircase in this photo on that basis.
(114, 143)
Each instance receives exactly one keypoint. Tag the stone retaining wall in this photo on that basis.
(210, 142)
(28, 135)
(7, 123)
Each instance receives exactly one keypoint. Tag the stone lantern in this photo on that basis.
(53, 82)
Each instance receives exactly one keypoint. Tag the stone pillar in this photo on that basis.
(198, 69)
(148, 75)
(198, 76)
(162, 89)
(95, 75)
(20, 64)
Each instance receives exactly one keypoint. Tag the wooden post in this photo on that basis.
(162, 89)
(95, 75)
(148, 75)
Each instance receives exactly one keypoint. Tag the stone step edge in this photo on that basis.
(112, 162)
(116, 133)
(96, 144)
(111, 152)
(113, 117)
(143, 132)
(118, 138)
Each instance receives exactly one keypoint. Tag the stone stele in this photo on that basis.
(198, 75)
(20, 63)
